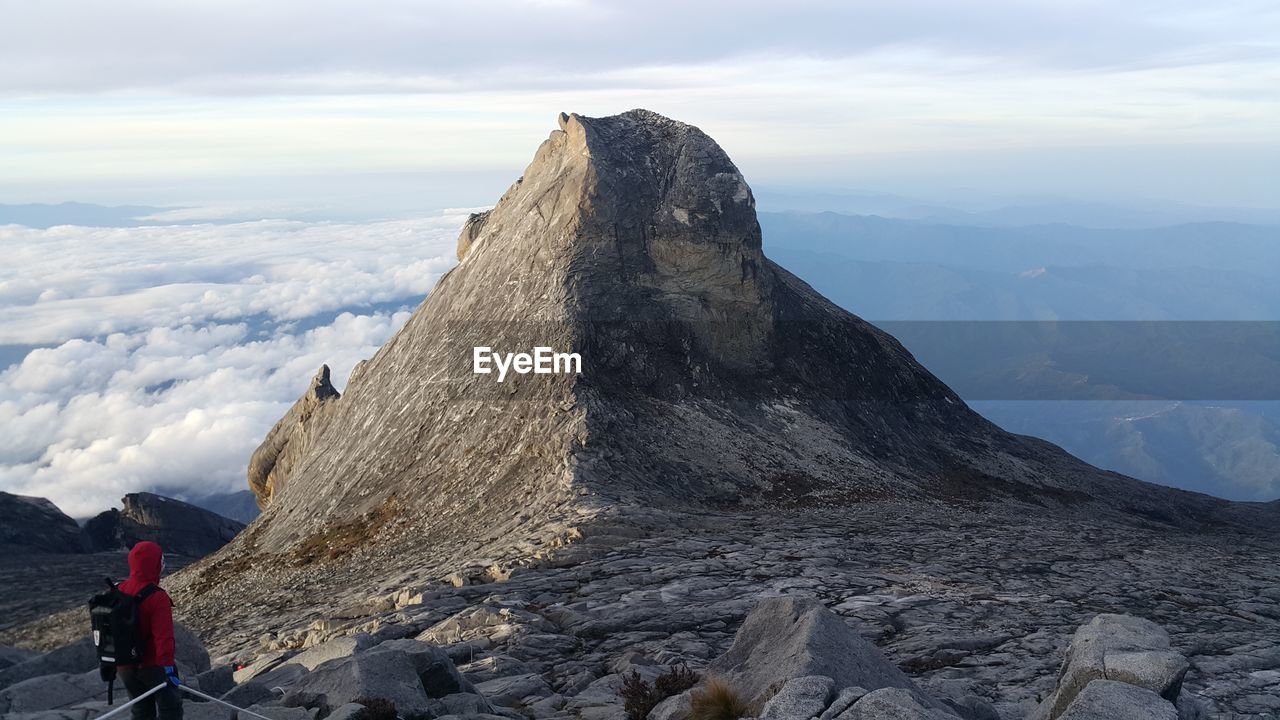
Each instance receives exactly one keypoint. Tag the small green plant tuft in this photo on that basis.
(718, 701)
(675, 681)
(638, 697)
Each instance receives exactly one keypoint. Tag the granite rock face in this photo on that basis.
(178, 527)
(632, 240)
(35, 524)
(290, 439)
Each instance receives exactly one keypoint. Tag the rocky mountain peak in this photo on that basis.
(177, 526)
(711, 378)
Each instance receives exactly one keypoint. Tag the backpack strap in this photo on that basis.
(147, 592)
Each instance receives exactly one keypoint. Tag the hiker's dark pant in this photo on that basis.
(168, 702)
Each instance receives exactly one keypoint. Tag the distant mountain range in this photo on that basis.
(241, 506)
(900, 272)
(1012, 212)
(40, 215)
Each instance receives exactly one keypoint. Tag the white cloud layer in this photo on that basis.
(170, 351)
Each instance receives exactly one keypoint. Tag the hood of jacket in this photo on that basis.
(145, 561)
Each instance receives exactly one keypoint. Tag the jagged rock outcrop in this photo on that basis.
(290, 439)
(36, 524)
(711, 377)
(178, 527)
(785, 638)
(1115, 649)
(470, 231)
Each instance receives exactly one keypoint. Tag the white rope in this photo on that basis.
(191, 690)
(197, 693)
(125, 706)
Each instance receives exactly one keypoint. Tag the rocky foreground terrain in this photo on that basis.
(976, 607)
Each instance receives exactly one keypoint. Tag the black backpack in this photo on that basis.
(117, 639)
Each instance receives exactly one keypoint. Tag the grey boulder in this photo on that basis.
(250, 692)
(49, 692)
(77, 657)
(894, 704)
(217, 681)
(802, 697)
(1121, 648)
(784, 638)
(1111, 700)
(189, 651)
(435, 670)
(387, 674)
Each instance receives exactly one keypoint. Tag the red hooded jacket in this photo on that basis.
(155, 622)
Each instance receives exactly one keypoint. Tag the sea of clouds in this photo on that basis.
(159, 357)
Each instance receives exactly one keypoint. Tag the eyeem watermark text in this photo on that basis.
(543, 361)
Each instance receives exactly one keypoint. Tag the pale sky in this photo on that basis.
(314, 101)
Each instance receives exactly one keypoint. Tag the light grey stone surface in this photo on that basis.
(893, 703)
(387, 674)
(1116, 647)
(784, 638)
(802, 697)
(843, 701)
(1111, 700)
(336, 648)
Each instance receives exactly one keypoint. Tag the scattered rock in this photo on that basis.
(802, 697)
(791, 637)
(844, 701)
(333, 649)
(1111, 700)
(249, 693)
(217, 681)
(435, 670)
(1121, 648)
(388, 674)
(893, 703)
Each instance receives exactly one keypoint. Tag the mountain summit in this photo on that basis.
(711, 378)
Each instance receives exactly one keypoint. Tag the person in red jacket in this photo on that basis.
(155, 626)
